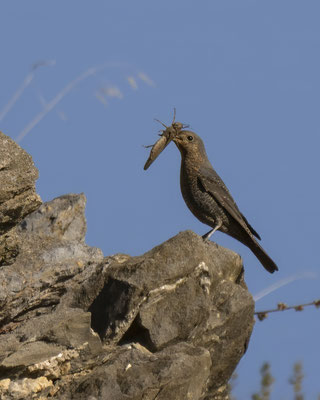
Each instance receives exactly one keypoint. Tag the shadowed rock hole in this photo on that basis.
(23, 225)
(138, 334)
(10, 372)
(110, 306)
(240, 277)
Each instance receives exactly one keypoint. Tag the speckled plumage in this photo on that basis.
(209, 200)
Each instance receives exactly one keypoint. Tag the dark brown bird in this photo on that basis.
(209, 199)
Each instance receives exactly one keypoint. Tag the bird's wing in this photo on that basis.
(213, 184)
(256, 234)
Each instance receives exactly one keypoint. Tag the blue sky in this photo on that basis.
(244, 75)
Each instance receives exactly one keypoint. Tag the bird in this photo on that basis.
(210, 201)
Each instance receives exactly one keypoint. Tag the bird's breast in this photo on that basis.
(188, 183)
(198, 200)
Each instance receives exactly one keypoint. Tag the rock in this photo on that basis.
(170, 324)
(185, 290)
(51, 244)
(25, 387)
(177, 372)
(18, 197)
(31, 353)
(18, 174)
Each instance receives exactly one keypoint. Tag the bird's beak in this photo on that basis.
(178, 143)
(176, 139)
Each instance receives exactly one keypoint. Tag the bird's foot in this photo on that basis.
(212, 231)
(208, 234)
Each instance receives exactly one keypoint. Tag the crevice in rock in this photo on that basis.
(109, 307)
(138, 334)
(9, 255)
(17, 318)
(10, 372)
(64, 278)
(20, 372)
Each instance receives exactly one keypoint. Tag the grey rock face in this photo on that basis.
(168, 325)
(17, 184)
(18, 197)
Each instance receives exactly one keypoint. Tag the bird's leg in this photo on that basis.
(212, 231)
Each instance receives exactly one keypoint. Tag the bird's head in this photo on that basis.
(190, 145)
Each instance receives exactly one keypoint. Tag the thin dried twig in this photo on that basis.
(146, 79)
(282, 307)
(67, 89)
(26, 82)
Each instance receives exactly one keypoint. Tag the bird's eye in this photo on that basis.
(190, 138)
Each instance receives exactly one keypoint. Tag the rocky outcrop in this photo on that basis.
(168, 325)
(17, 184)
(18, 196)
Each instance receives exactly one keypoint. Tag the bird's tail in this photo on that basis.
(248, 240)
(262, 256)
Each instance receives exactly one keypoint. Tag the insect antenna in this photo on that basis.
(161, 123)
(174, 115)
